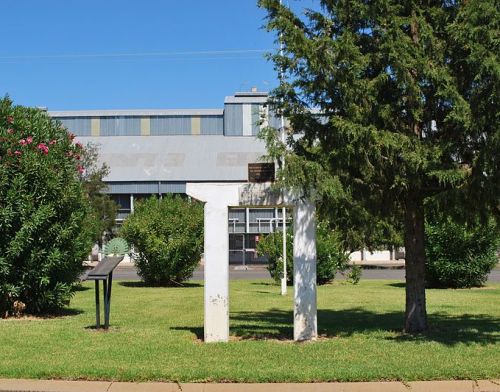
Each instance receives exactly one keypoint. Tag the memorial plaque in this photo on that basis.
(260, 172)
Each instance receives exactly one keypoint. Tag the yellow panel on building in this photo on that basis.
(95, 126)
(195, 125)
(145, 126)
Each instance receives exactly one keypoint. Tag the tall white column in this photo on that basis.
(305, 324)
(216, 273)
(218, 198)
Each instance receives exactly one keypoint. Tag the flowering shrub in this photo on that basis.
(44, 215)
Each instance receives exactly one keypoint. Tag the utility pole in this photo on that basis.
(283, 212)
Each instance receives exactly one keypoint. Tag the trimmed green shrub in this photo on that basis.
(330, 253)
(167, 236)
(458, 255)
(45, 224)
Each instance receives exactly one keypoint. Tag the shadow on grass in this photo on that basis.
(446, 329)
(144, 285)
(101, 329)
(397, 284)
(58, 313)
(80, 288)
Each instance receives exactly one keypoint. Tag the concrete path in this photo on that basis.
(106, 386)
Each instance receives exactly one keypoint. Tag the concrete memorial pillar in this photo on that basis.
(218, 197)
(305, 324)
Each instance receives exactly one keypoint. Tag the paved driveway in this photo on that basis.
(260, 272)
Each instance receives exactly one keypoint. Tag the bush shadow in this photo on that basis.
(138, 283)
(55, 314)
(80, 288)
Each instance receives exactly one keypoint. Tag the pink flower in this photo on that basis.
(43, 148)
(80, 169)
(53, 142)
(79, 145)
(29, 139)
(69, 153)
(17, 152)
(71, 135)
(10, 119)
(10, 131)
(77, 157)
(23, 142)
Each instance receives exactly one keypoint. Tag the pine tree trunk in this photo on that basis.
(416, 312)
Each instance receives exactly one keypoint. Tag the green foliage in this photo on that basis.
(387, 101)
(354, 275)
(103, 207)
(167, 236)
(330, 253)
(458, 255)
(45, 227)
(271, 246)
(390, 103)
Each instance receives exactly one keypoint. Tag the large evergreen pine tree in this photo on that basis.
(390, 103)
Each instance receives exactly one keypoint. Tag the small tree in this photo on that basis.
(103, 207)
(45, 225)
(167, 236)
(330, 254)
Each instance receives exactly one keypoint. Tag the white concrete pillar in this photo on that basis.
(305, 324)
(218, 198)
(216, 273)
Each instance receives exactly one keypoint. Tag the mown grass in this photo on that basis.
(155, 335)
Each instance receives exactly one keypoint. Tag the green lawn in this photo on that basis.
(155, 335)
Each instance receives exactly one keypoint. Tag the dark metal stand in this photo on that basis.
(103, 271)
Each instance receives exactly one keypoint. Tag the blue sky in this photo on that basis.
(48, 47)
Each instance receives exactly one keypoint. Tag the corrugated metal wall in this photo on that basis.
(170, 125)
(256, 119)
(233, 119)
(261, 214)
(230, 124)
(120, 126)
(274, 120)
(212, 125)
(146, 187)
(80, 126)
(237, 214)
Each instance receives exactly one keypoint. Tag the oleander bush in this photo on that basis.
(330, 253)
(167, 237)
(460, 255)
(45, 218)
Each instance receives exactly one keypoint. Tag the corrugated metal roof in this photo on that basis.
(246, 99)
(137, 112)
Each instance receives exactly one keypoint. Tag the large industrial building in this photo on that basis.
(153, 152)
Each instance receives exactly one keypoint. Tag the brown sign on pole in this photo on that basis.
(261, 172)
